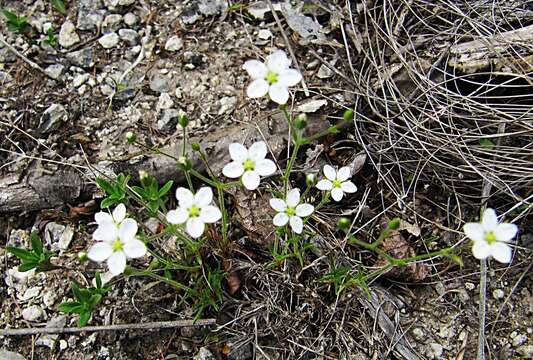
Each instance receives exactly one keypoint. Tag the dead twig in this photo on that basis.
(118, 327)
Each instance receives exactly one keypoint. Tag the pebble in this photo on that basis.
(79, 80)
(160, 83)
(52, 118)
(212, 7)
(58, 237)
(49, 298)
(82, 58)
(54, 71)
(109, 41)
(111, 23)
(5, 77)
(10, 355)
(168, 120)
(418, 334)
(130, 19)
(33, 313)
(324, 72)
(90, 17)
(258, 9)
(204, 354)
(526, 350)
(311, 106)
(126, 2)
(498, 294)
(518, 339)
(227, 105)
(67, 35)
(164, 102)
(49, 340)
(435, 350)
(31, 293)
(264, 34)
(129, 36)
(7, 56)
(469, 286)
(174, 43)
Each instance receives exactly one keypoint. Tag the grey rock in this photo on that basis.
(435, 351)
(526, 350)
(160, 83)
(418, 334)
(109, 41)
(111, 23)
(311, 106)
(18, 238)
(227, 105)
(190, 17)
(5, 78)
(49, 340)
(50, 298)
(258, 9)
(244, 352)
(33, 313)
(6, 56)
(10, 355)
(67, 35)
(131, 19)
(131, 37)
(192, 58)
(168, 120)
(79, 80)
(324, 72)
(57, 236)
(305, 26)
(174, 43)
(126, 2)
(264, 34)
(204, 354)
(31, 293)
(90, 16)
(498, 294)
(52, 118)
(54, 70)
(164, 102)
(212, 7)
(519, 339)
(82, 58)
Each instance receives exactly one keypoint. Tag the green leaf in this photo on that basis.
(486, 143)
(107, 202)
(27, 266)
(71, 307)
(84, 318)
(98, 280)
(11, 17)
(165, 188)
(139, 190)
(59, 5)
(79, 294)
(94, 300)
(36, 243)
(22, 254)
(104, 185)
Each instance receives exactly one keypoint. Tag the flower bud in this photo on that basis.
(184, 163)
(143, 177)
(310, 179)
(195, 146)
(183, 120)
(348, 115)
(82, 256)
(394, 224)
(333, 129)
(130, 137)
(343, 223)
(300, 122)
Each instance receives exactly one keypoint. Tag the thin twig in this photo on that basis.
(136, 326)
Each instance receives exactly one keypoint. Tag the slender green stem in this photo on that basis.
(184, 149)
(288, 169)
(139, 272)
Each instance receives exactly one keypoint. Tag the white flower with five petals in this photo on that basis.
(272, 78)
(117, 241)
(195, 210)
(337, 182)
(291, 211)
(491, 238)
(249, 163)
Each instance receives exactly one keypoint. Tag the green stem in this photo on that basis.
(139, 272)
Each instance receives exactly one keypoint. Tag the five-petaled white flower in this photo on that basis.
(117, 241)
(272, 78)
(337, 182)
(291, 211)
(490, 237)
(195, 210)
(249, 163)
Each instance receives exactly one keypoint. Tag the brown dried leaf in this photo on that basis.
(234, 282)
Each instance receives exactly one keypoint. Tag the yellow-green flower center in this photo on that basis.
(290, 211)
(117, 245)
(194, 211)
(336, 183)
(248, 165)
(271, 77)
(490, 237)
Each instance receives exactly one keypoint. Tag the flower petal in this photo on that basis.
(474, 231)
(293, 197)
(324, 185)
(278, 204)
(195, 227)
(304, 210)
(289, 77)
(330, 173)
(106, 232)
(265, 167)
(257, 151)
(481, 250)
(337, 194)
(251, 180)
(100, 251)
(203, 197)
(119, 213)
(344, 173)
(348, 187)
(490, 220)
(117, 263)
(278, 93)
(297, 224)
(127, 230)
(281, 219)
(178, 216)
(238, 152)
(210, 214)
(233, 170)
(185, 197)
(278, 61)
(102, 217)
(505, 232)
(501, 252)
(257, 88)
(134, 248)
(255, 68)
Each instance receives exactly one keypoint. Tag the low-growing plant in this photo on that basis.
(36, 258)
(15, 23)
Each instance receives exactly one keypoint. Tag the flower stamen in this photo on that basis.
(490, 237)
(117, 245)
(248, 165)
(271, 77)
(194, 211)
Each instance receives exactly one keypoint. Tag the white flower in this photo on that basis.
(117, 241)
(195, 210)
(337, 182)
(490, 237)
(273, 78)
(249, 163)
(291, 211)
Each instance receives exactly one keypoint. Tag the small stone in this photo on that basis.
(10, 355)
(227, 105)
(258, 9)
(109, 41)
(54, 71)
(189, 17)
(435, 350)
(111, 23)
(152, 224)
(79, 80)
(324, 72)
(5, 78)
(7, 56)
(498, 294)
(519, 339)
(126, 2)
(63, 344)
(130, 19)
(90, 16)
(82, 58)
(526, 351)
(52, 118)
(469, 286)
(31, 293)
(129, 36)
(212, 7)
(264, 34)
(174, 43)
(194, 59)
(311, 106)
(164, 102)
(49, 298)
(33, 313)
(160, 83)
(58, 237)
(168, 120)
(49, 340)
(89, 340)
(67, 35)
(204, 354)
(418, 334)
